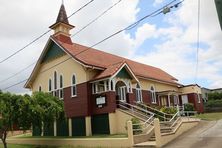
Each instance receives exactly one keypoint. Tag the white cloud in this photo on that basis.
(157, 2)
(28, 19)
(176, 54)
(22, 21)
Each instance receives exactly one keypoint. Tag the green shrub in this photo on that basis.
(136, 126)
(215, 96)
(188, 107)
(169, 110)
(213, 103)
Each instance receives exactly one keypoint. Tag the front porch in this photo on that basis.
(169, 98)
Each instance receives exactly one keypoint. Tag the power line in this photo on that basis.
(36, 39)
(198, 41)
(17, 73)
(87, 48)
(91, 22)
(99, 16)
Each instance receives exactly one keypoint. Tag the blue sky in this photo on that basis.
(164, 41)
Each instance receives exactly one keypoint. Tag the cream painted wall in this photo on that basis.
(66, 69)
(190, 89)
(118, 122)
(146, 85)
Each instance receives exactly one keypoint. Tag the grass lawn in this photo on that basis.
(94, 136)
(33, 146)
(210, 116)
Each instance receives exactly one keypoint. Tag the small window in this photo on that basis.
(60, 87)
(153, 94)
(61, 93)
(129, 87)
(50, 85)
(73, 87)
(107, 85)
(94, 88)
(60, 81)
(138, 93)
(101, 86)
(111, 85)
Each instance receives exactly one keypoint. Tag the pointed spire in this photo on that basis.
(62, 17)
(62, 25)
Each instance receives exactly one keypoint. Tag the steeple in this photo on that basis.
(62, 25)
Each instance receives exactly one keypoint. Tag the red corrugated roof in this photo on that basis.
(109, 62)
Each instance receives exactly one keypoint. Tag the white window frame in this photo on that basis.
(122, 93)
(184, 99)
(73, 85)
(138, 93)
(105, 84)
(153, 94)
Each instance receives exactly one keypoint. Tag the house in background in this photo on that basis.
(92, 82)
(206, 91)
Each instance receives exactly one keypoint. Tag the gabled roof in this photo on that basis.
(114, 70)
(108, 63)
(97, 58)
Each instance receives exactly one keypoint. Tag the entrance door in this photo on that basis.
(122, 93)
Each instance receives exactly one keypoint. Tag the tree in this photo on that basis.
(215, 96)
(23, 111)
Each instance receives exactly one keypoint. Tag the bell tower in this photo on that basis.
(62, 26)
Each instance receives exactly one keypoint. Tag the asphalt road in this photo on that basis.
(208, 134)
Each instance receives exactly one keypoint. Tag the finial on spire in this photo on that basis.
(62, 22)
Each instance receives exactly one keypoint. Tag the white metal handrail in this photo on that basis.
(135, 107)
(164, 116)
(175, 122)
(147, 121)
(131, 109)
(153, 109)
(174, 116)
(187, 113)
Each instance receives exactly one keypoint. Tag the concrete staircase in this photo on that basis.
(146, 114)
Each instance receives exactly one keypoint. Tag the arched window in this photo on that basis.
(40, 88)
(153, 94)
(55, 80)
(111, 85)
(138, 93)
(60, 87)
(50, 85)
(73, 86)
(55, 84)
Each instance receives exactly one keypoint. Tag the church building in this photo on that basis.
(92, 82)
